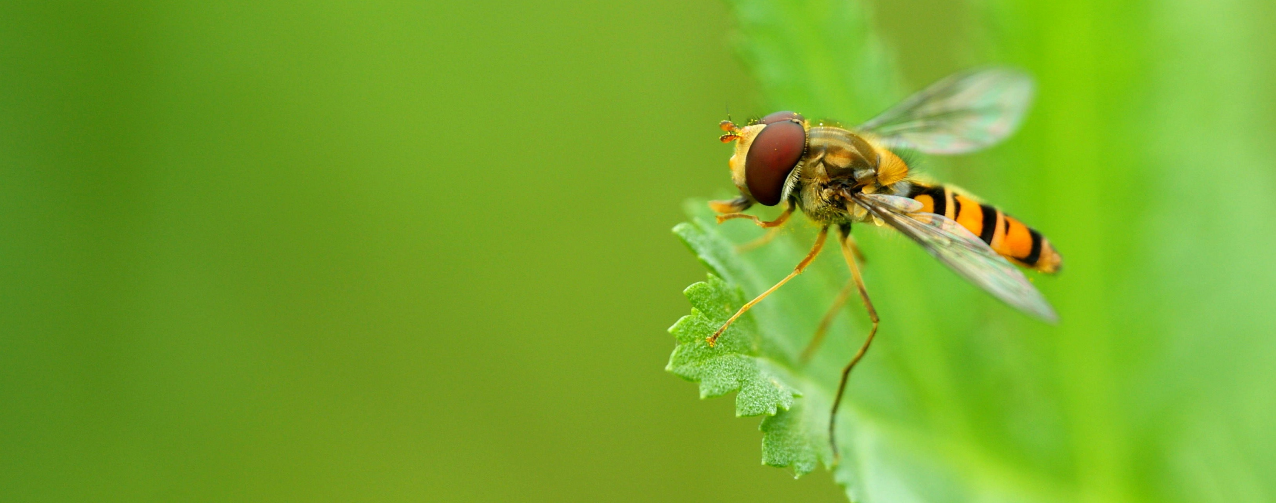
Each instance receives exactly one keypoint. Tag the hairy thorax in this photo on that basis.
(838, 161)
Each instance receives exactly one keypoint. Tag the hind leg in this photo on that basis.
(858, 279)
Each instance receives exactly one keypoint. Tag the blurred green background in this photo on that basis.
(400, 251)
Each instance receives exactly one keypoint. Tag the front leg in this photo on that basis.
(731, 206)
(788, 211)
(810, 256)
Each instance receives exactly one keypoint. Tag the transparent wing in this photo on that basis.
(964, 252)
(962, 113)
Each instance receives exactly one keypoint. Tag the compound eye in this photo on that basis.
(781, 116)
(774, 153)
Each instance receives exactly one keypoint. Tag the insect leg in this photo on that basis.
(848, 253)
(784, 217)
(730, 205)
(823, 328)
(815, 251)
(773, 228)
(855, 248)
(828, 319)
(770, 235)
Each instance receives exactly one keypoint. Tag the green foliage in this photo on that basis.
(758, 357)
(1157, 383)
(735, 362)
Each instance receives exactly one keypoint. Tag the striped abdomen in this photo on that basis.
(1005, 234)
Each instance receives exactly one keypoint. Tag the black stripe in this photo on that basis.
(1005, 219)
(1035, 254)
(937, 194)
(990, 223)
(956, 206)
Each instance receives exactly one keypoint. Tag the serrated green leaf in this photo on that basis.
(734, 363)
(761, 365)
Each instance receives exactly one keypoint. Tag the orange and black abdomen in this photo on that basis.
(1005, 234)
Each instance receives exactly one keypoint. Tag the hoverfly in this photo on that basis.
(838, 177)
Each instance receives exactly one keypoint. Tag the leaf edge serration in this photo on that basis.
(734, 363)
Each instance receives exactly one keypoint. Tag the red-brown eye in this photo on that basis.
(781, 116)
(772, 156)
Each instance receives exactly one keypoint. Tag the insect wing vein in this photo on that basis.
(962, 113)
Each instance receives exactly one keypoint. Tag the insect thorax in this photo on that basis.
(838, 160)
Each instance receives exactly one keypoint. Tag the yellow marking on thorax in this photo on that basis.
(891, 169)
